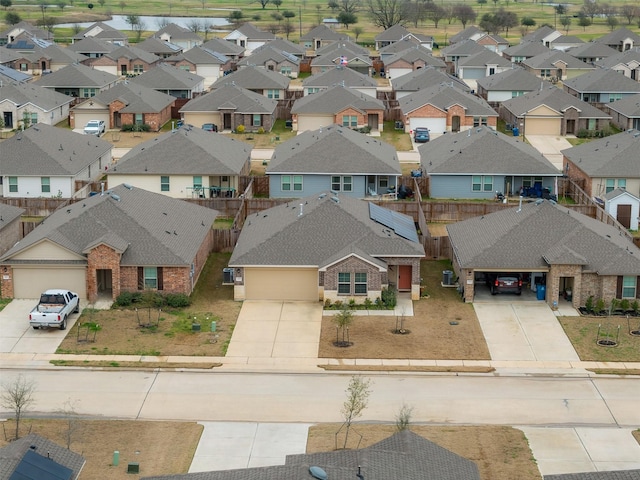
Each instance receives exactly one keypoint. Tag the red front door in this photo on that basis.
(404, 277)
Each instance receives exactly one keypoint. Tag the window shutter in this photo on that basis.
(160, 282)
(140, 278)
(619, 287)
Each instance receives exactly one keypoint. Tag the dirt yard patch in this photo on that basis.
(161, 448)
(442, 328)
(501, 453)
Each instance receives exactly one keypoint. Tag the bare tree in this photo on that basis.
(387, 13)
(73, 424)
(162, 22)
(343, 321)
(122, 5)
(465, 13)
(17, 395)
(630, 12)
(358, 392)
(403, 417)
(194, 25)
(566, 23)
(590, 9)
(351, 6)
(436, 13)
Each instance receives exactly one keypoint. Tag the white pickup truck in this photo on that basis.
(54, 308)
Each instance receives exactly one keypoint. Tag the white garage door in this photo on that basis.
(435, 125)
(281, 284)
(31, 282)
(313, 122)
(542, 126)
(394, 73)
(83, 117)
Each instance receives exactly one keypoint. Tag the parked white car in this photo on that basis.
(94, 127)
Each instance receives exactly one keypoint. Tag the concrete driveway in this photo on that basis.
(19, 337)
(523, 331)
(268, 330)
(550, 146)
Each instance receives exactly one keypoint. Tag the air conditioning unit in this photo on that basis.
(227, 276)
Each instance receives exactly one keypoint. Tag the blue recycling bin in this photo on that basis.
(540, 291)
(516, 132)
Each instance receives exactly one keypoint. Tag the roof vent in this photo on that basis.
(335, 199)
(317, 472)
(127, 186)
(115, 197)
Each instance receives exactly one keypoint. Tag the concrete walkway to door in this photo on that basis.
(268, 333)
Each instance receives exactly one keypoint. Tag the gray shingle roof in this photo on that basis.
(322, 32)
(549, 60)
(324, 151)
(527, 49)
(166, 77)
(92, 45)
(254, 78)
(617, 36)
(414, 54)
(565, 39)
(76, 75)
(223, 46)
(614, 156)
(266, 53)
(137, 98)
(484, 58)
(51, 151)
(8, 213)
(462, 49)
(237, 98)
(344, 45)
(282, 44)
(601, 80)
(630, 108)
(592, 50)
(483, 151)
(280, 236)
(334, 100)
(538, 34)
(254, 33)
(511, 239)
(30, 93)
(103, 31)
(424, 78)
(339, 76)
(176, 32)
(466, 34)
(516, 79)
(11, 455)
(200, 56)
(612, 475)
(335, 52)
(444, 96)
(617, 192)
(132, 53)
(399, 46)
(392, 34)
(620, 58)
(199, 153)
(152, 229)
(554, 98)
(159, 47)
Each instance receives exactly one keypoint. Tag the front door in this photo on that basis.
(372, 121)
(455, 123)
(104, 281)
(571, 126)
(227, 121)
(8, 119)
(404, 277)
(623, 215)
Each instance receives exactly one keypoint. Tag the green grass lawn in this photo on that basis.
(584, 332)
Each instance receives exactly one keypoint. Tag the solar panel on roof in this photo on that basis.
(401, 224)
(36, 467)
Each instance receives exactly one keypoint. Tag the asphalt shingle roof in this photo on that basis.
(425, 78)
(539, 34)
(444, 96)
(512, 239)
(46, 150)
(344, 45)
(284, 45)
(630, 108)
(254, 33)
(185, 152)
(462, 49)
(414, 54)
(617, 36)
(137, 98)
(267, 53)
(339, 76)
(334, 100)
(234, 97)
(254, 78)
(516, 79)
(92, 45)
(592, 50)
(132, 53)
(223, 46)
(160, 47)
(102, 31)
(322, 32)
(392, 34)
(484, 58)
(466, 34)
(611, 475)
(30, 93)
(76, 75)
(166, 77)
(554, 98)
(528, 49)
(620, 58)
(200, 55)
(8, 213)
(552, 57)
(152, 229)
(324, 151)
(400, 46)
(176, 32)
(601, 80)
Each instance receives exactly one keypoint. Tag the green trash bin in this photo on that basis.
(213, 326)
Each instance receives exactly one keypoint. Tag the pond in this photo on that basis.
(119, 22)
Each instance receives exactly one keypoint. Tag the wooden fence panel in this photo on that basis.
(225, 240)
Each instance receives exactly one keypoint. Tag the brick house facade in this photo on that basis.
(466, 121)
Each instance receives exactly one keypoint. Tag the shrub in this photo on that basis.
(135, 127)
(125, 299)
(600, 305)
(337, 305)
(583, 133)
(368, 304)
(635, 306)
(261, 130)
(389, 298)
(365, 129)
(589, 304)
(240, 129)
(327, 303)
(625, 304)
(177, 300)
(352, 304)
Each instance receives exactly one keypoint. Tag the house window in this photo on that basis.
(614, 96)
(185, 68)
(591, 124)
(360, 284)
(197, 184)
(24, 67)
(30, 118)
(517, 94)
(164, 183)
(482, 183)
(139, 118)
(289, 181)
(275, 94)
(88, 92)
(342, 184)
(629, 287)
(311, 90)
(349, 121)
(610, 185)
(344, 283)
(545, 72)
(138, 68)
(150, 277)
(257, 119)
(383, 181)
(622, 183)
(45, 184)
(478, 121)
(13, 184)
(285, 70)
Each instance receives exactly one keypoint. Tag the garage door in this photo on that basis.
(31, 282)
(542, 126)
(281, 284)
(83, 117)
(313, 122)
(435, 125)
(398, 72)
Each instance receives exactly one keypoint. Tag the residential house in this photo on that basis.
(320, 37)
(228, 49)
(509, 84)
(125, 240)
(621, 39)
(333, 158)
(185, 163)
(602, 165)
(443, 108)
(180, 36)
(10, 76)
(205, 63)
(102, 31)
(624, 207)
(556, 65)
(264, 82)
(337, 105)
(340, 76)
(424, 78)
(575, 253)
(627, 63)
(26, 104)
(625, 115)
(409, 60)
(591, 52)
(345, 54)
(397, 47)
(92, 47)
(160, 48)
(602, 86)
(230, 106)
(566, 42)
(545, 35)
(493, 42)
(552, 111)
(172, 81)
(480, 65)
(519, 53)
(470, 33)
(24, 30)
(78, 81)
(10, 231)
(284, 45)
(8, 57)
(249, 37)
(398, 33)
(125, 104)
(46, 59)
(477, 163)
(45, 161)
(326, 246)
(33, 456)
(273, 59)
(453, 53)
(125, 61)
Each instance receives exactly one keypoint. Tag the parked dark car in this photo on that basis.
(210, 127)
(504, 283)
(421, 135)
